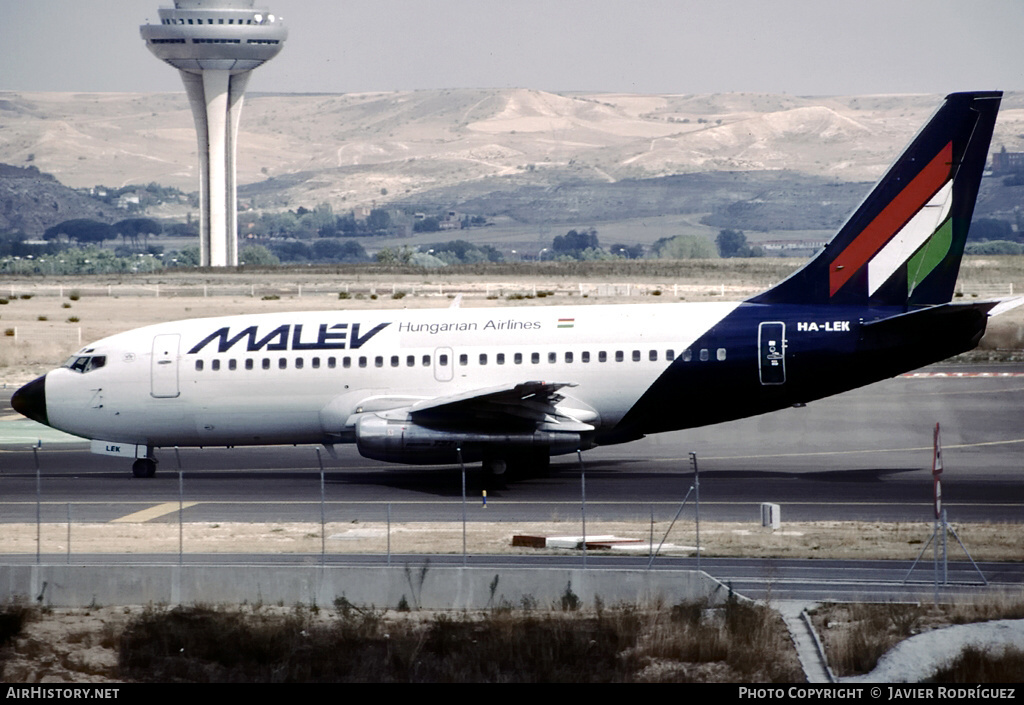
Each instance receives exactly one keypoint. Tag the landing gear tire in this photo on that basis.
(144, 467)
(515, 464)
(495, 467)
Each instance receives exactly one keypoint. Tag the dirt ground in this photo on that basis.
(822, 539)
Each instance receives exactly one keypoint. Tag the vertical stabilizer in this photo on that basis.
(902, 246)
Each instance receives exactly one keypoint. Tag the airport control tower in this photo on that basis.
(215, 45)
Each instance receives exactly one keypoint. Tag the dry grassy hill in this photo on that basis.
(373, 148)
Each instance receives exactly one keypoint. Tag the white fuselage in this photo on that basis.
(305, 377)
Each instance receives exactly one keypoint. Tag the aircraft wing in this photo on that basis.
(525, 406)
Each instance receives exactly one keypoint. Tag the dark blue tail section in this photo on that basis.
(903, 244)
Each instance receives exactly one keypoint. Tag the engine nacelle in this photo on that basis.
(403, 441)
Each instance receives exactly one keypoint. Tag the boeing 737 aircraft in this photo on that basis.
(513, 386)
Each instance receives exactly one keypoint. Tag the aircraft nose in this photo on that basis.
(30, 400)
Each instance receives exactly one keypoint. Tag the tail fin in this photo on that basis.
(903, 244)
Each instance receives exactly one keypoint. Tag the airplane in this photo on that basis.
(511, 387)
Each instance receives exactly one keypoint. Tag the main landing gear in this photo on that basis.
(144, 467)
(503, 462)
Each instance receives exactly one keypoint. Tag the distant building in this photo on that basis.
(1004, 162)
(780, 245)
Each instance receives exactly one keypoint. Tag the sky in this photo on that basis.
(800, 47)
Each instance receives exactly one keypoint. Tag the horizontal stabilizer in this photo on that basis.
(1005, 304)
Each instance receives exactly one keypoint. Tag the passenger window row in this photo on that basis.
(362, 361)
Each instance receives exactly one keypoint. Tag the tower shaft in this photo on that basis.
(216, 99)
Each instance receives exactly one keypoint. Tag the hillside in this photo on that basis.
(372, 149)
(31, 202)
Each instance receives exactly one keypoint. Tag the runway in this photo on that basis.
(864, 455)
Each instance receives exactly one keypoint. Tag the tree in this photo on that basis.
(620, 249)
(399, 256)
(732, 243)
(339, 251)
(575, 241)
(684, 247)
(429, 224)
(187, 257)
(990, 229)
(258, 256)
(131, 228)
(81, 230)
(378, 221)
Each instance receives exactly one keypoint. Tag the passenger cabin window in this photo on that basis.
(619, 356)
(248, 364)
(585, 356)
(215, 365)
(703, 354)
(652, 356)
(535, 358)
(483, 358)
(266, 363)
(552, 357)
(463, 359)
(500, 358)
(517, 358)
(602, 356)
(636, 356)
(199, 366)
(720, 354)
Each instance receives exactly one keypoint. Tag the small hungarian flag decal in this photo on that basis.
(566, 322)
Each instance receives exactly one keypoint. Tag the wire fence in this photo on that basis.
(466, 523)
(466, 289)
(353, 289)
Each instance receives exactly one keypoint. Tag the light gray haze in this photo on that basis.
(803, 47)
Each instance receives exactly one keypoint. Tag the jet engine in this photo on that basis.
(404, 441)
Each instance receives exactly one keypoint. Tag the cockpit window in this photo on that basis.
(85, 363)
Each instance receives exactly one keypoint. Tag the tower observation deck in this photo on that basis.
(215, 45)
